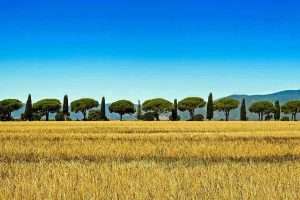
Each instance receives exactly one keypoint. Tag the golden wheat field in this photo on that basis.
(150, 160)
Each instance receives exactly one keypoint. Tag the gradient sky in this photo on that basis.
(143, 49)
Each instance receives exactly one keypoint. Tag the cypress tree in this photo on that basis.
(277, 111)
(243, 113)
(66, 107)
(103, 110)
(28, 114)
(139, 111)
(210, 107)
(175, 111)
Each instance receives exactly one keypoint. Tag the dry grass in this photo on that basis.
(150, 160)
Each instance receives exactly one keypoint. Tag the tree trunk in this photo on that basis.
(227, 115)
(157, 116)
(121, 117)
(84, 115)
(191, 114)
(47, 116)
(262, 117)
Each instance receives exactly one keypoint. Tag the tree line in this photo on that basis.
(149, 110)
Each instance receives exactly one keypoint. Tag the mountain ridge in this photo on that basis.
(282, 96)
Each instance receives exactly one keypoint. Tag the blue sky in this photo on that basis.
(144, 49)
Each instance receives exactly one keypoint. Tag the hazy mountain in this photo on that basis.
(282, 96)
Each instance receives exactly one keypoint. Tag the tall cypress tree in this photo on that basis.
(28, 114)
(277, 112)
(103, 110)
(175, 111)
(243, 113)
(66, 107)
(210, 107)
(139, 111)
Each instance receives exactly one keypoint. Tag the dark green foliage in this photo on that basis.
(243, 111)
(1, 110)
(46, 106)
(149, 116)
(277, 112)
(197, 117)
(139, 111)
(2, 113)
(60, 116)
(95, 115)
(210, 107)
(268, 117)
(65, 111)
(190, 104)
(36, 117)
(174, 115)
(8, 106)
(122, 107)
(102, 110)
(172, 119)
(226, 105)
(292, 107)
(262, 108)
(83, 105)
(28, 114)
(285, 119)
(157, 106)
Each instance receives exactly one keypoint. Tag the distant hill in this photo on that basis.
(282, 96)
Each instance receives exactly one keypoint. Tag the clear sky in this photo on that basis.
(143, 49)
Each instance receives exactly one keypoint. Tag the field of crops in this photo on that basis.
(150, 160)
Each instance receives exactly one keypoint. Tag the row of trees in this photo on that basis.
(150, 109)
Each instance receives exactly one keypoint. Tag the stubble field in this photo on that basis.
(150, 160)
